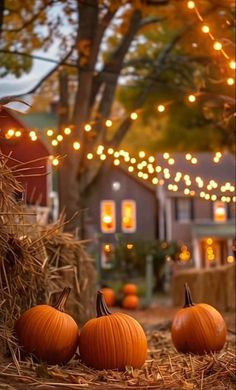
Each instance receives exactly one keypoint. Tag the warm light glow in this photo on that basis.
(11, 132)
(151, 159)
(194, 160)
(205, 29)
(217, 46)
(141, 154)
(209, 241)
(171, 161)
(90, 156)
(108, 216)
(155, 180)
(116, 162)
(18, 133)
(161, 108)
(54, 142)
(186, 191)
(188, 156)
(191, 4)
(110, 151)
(232, 64)
(128, 211)
(230, 259)
(34, 138)
(103, 157)
(191, 98)
(130, 168)
(133, 116)
(59, 137)
(87, 127)
(67, 131)
(213, 197)
(55, 162)
(166, 156)
(230, 81)
(76, 145)
(32, 133)
(49, 132)
(108, 123)
(133, 160)
(130, 246)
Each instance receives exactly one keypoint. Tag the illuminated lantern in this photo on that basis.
(128, 210)
(107, 216)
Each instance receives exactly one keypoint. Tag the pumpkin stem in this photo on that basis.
(62, 299)
(187, 296)
(101, 306)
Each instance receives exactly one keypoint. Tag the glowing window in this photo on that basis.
(108, 216)
(128, 214)
(220, 214)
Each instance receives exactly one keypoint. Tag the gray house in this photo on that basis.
(199, 212)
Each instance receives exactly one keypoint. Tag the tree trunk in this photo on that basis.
(2, 7)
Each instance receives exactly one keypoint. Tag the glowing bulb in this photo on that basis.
(130, 168)
(194, 160)
(217, 46)
(32, 133)
(133, 160)
(76, 145)
(141, 154)
(87, 127)
(90, 156)
(34, 138)
(232, 64)
(161, 108)
(171, 161)
(49, 132)
(230, 81)
(18, 133)
(186, 191)
(59, 137)
(213, 197)
(108, 123)
(151, 159)
(205, 29)
(166, 156)
(54, 142)
(110, 151)
(191, 4)
(103, 157)
(230, 259)
(55, 162)
(133, 116)
(155, 180)
(67, 131)
(192, 98)
(11, 132)
(116, 162)
(188, 156)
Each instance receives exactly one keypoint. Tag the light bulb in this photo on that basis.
(76, 145)
(192, 98)
(191, 4)
(205, 29)
(161, 108)
(217, 46)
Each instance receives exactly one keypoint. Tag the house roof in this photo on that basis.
(206, 168)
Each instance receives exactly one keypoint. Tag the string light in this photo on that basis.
(191, 98)
(49, 132)
(217, 46)
(59, 137)
(87, 127)
(205, 29)
(191, 4)
(55, 162)
(90, 156)
(11, 132)
(232, 64)
(133, 116)
(67, 131)
(76, 145)
(141, 154)
(230, 81)
(161, 108)
(110, 151)
(108, 123)
(116, 162)
(18, 133)
(54, 142)
(32, 133)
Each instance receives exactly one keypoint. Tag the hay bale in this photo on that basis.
(215, 286)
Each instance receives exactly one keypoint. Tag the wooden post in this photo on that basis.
(149, 279)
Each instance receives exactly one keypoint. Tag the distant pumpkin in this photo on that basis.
(130, 302)
(130, 289)
(198, 328)
(109, 295)
(112, 340)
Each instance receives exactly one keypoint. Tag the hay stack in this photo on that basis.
(215, 286)
(35, 264)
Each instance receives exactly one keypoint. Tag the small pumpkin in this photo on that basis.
(130, 289)
(198, 328)
(48, 333)
(112, 340)
(109, 296)
(130, 302)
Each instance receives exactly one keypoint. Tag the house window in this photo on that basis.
(183, 210)
(108, 216)
(219, 212)
(128, 216)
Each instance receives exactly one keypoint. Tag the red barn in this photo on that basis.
(19, 146)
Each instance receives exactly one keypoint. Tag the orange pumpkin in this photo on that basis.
(109, 296)
(48, 333)
(112, 340)
(130, 289)
(130, 302)
(198, 328)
